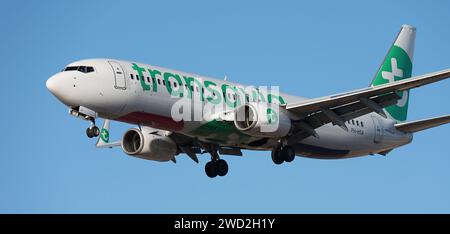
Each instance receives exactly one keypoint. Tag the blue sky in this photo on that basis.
(310, 48)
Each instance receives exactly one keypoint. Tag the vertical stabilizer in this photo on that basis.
(397, 65)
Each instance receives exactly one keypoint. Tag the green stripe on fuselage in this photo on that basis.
(221, 132)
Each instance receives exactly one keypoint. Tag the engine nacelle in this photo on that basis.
(147, 145)
(262, 119)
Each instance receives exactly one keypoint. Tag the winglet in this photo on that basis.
(103, 138)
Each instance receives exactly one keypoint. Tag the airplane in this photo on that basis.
(161, 103)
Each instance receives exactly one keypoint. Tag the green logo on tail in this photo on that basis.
(396, 66)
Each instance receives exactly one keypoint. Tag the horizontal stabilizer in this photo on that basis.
(416, 126)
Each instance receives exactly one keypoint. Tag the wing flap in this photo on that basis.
(346, 112)
(356, 109)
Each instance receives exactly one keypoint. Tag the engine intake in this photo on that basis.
(262, 119)
(132, 142)
(147, 144)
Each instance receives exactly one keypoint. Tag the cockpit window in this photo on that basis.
(84, 69)
(89, 69)
(71, 69)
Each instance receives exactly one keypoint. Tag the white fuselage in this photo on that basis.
(113, 91)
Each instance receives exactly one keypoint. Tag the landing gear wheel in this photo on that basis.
(277, 157)
(89, 132)
(92, 131)
(211, 169)
(221, 167)
(95, 131)
(288, 154)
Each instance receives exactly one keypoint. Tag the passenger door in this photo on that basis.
(119, 75)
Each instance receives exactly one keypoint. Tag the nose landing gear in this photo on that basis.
(93, 130)
(86, 114)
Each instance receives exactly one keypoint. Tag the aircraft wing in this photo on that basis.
(345, 106)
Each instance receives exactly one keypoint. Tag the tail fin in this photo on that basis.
(397, 65)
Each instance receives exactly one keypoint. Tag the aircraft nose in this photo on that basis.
(55, 86)
(52, 85)
(59, 86)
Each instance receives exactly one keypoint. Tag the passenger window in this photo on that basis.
(159, 81)
(362, 124)
(175, 84)
(164, 82)
(357, 123)
(132, 77)
(148, 79)
(353, 121)
(137, 77)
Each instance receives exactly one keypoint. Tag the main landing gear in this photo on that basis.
(283, 154)
(92, 131)
(217, 166)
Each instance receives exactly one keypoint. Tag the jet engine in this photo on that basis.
(148, 144)
(262, 120)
